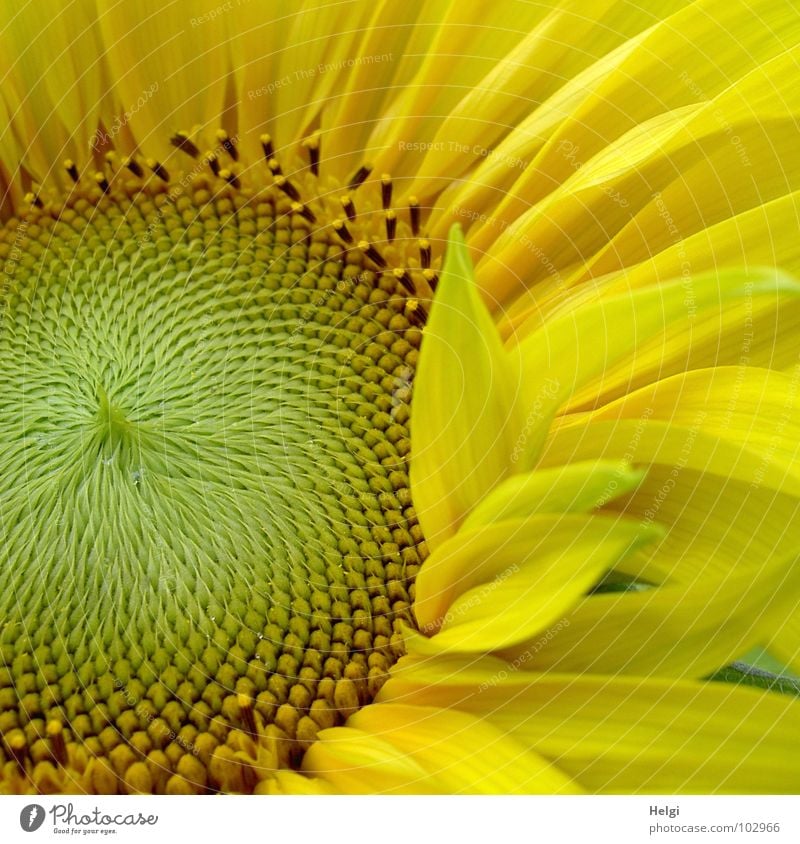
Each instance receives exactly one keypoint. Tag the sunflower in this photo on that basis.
(305, 491)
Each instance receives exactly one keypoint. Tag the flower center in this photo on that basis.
(208, 538)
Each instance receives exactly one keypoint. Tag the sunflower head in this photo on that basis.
(303, 488)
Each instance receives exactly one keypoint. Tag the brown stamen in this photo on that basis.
(342, 231)
(133, 165)
(404, 277)
(55, 732)
(231, 178)
(372, 253)
(360, 177)
(266, 145)
(391, 225)
(72, 170)
(102, 182)
(413, 210)
(312, 145)
(304, 211)
(282, 183)
(213, 163)
(158, 169)
(181, 141)
(349, 207)
(386, 191)
(425, 253)
(228, 144)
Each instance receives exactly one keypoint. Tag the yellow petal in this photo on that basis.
(468, 39)
(289, 782)
(648, 441)
(290, 61)
(573, 349)
(711, 522)
(170, 67)
(495, 100)
(757, 409)
(385, 63)
(55, 90)
(463, 417)
(624, 735)
(355, 762)
(548, 225)
(574, 488)
(682, 630)
(494, 586)
(416, 749)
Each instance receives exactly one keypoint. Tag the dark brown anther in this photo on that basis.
(72, 170)
(247, 715)
(386, 191)
(274, 167)
(249, 778)
(348, 206)
(404, 277)
(181, 141)
(360, 177)
(213, 163)
(34, 199)
(133, 165)
(312, 145)
(416, 312)
(231, 178)
(158, 169)
(17, 748)
(431, 277)
(413, 210)
(372, 253)
(425, 253)
(391, 225)
(227, 144)
(266, 145)
(282, 183)
(342, 231)
(304, 211)
(102, 182)
(58, 747)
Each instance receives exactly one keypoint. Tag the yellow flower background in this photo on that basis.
(485, 457)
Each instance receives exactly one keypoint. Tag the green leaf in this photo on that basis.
(740, 673)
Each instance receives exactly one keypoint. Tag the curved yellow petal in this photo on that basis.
(648, 440)
(170, 64)
(683, 630)
(623, 735)
(758, 408)
(492, 587)
(711, 522)
(464, 416)
(398, 749)
(694, 118)
(557, 352)
(55, 92)
(470, 138)
(574, 488)
(290, 782)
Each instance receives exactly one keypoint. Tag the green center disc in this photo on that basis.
(204, 503)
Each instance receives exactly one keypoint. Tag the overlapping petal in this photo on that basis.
(400, 749)
(622, 735)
